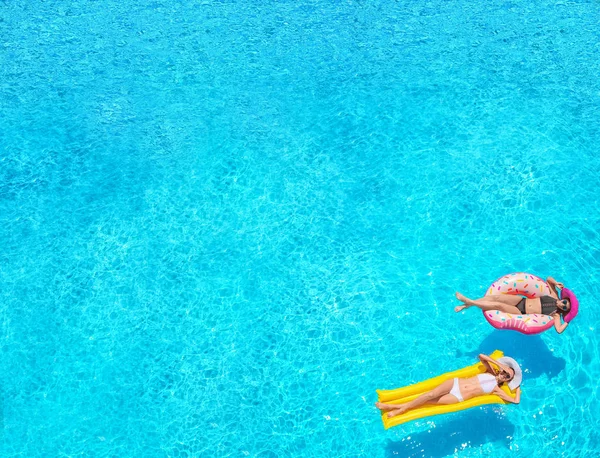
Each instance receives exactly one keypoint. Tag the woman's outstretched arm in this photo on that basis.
(483, 358)
(486, 360)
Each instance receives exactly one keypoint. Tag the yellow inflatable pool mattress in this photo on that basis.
(408, 393)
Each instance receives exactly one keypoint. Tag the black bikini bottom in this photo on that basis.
(521, 305)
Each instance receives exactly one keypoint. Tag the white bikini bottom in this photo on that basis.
(455, 391)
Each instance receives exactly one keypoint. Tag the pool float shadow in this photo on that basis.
(467, 429)
(531, 352)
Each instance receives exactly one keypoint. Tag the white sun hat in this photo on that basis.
(516, 380)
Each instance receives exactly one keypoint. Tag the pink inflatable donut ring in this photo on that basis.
(568, 294)
(527, 285)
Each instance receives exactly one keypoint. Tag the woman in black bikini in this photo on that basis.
(520, 305)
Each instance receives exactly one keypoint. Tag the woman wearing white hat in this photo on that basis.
(506, 370)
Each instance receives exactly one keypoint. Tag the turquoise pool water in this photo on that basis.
(223, 225)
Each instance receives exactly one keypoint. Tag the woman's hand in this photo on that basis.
(552, 282)
(498, 364)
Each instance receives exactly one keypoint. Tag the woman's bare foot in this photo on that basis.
(459, 308)
(399, 411)
(385, 407)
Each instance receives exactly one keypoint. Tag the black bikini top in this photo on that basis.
(548, 305)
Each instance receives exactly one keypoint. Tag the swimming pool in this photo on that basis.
(225, 224)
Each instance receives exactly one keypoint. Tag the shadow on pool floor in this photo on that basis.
(468, 429)
(531, 352)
